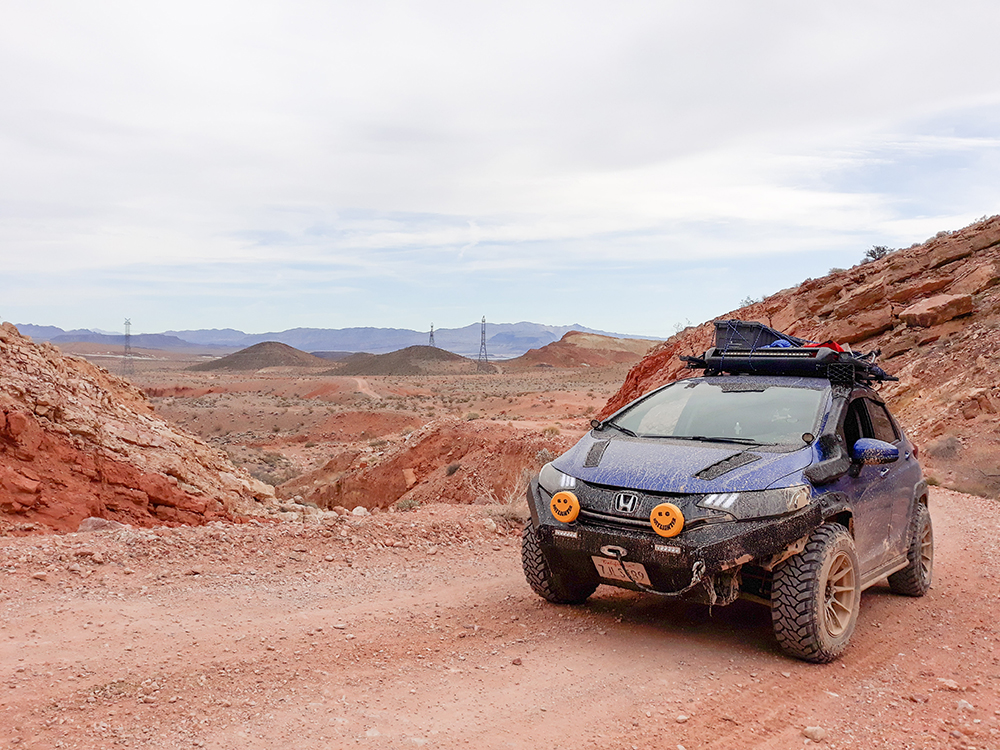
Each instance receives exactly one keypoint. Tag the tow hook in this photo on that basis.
(612, 551)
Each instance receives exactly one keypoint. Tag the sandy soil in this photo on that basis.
(417, 629)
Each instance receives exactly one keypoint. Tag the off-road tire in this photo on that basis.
(558, 587)
(816, 595)
(915, 578)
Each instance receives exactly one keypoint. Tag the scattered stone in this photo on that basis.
(516, 662)
(360, 511)
(918, 698)
(490, 525)
(816, 734)
(340, 626)
(949, 684)
(682, 718)
(40, 575)
(99, 524)
(195, 571)
(964, 705)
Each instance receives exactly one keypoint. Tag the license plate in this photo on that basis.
(612, 569)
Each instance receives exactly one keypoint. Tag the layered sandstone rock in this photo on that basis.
(76, 441)
(933, 310)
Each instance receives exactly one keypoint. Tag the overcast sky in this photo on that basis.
(627, 166)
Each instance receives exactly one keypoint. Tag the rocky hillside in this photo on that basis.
(76, 441)
(933, 310)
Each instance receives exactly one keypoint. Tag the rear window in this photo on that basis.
(766, 414)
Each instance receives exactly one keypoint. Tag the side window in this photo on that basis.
(856, 423)
(884, 428)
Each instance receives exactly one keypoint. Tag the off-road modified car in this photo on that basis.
(778, 476)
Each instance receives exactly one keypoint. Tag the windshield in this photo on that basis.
(738, 412)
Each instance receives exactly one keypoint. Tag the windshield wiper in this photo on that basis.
(618, 427)
(706, 439)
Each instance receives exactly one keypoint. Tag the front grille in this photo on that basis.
(606, 519)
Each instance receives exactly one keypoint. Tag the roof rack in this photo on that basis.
(743, 347)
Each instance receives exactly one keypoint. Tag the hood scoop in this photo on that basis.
(595, 454)
(726, 465)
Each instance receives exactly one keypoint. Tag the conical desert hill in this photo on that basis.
(260, 356)
(413, 360)
(577, 349)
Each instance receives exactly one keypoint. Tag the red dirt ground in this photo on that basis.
(417, 629)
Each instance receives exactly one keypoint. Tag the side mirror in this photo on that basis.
(596, 424)
(871, 451)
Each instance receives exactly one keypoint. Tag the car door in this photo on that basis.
(902, 476)
(872, 498)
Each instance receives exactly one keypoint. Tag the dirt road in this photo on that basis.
(417, 630)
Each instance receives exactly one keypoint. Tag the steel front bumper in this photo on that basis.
(669, 561)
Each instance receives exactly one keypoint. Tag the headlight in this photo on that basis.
(760, 504)
(552, 480)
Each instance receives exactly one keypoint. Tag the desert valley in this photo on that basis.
(283, 550)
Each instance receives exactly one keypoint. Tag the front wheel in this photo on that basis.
(915, 578)
(816, 595)
(558, 587)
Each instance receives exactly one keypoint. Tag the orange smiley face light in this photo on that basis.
(565, 507)
(667, 519)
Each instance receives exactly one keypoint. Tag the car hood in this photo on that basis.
(664, 465)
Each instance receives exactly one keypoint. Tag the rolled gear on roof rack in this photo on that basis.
(748, 347)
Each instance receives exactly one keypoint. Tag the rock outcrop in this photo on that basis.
(933, 310)
(77, 441)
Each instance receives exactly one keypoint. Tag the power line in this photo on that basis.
(431, 341)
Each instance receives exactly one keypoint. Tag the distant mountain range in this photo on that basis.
(503, 340)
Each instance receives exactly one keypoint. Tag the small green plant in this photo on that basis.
(407, 503)
(472, 415)
(933, 481)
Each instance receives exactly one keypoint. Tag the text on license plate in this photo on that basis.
(612, 569)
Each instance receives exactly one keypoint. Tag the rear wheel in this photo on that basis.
(815, 596)
(558, 587)
(915, 578)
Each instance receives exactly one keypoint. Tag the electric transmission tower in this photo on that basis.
(128, 363)
(484, 360)
(431, 341)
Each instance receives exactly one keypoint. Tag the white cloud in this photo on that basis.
(393, 140)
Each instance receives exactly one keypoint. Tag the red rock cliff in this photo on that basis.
(76, 441)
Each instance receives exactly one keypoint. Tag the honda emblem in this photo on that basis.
(626, 502)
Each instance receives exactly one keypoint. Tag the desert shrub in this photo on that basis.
(377, 443)
(875, 252)
(550, 431)
(310, 444)
(407, 503)
(544, 456)
(472, 415)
